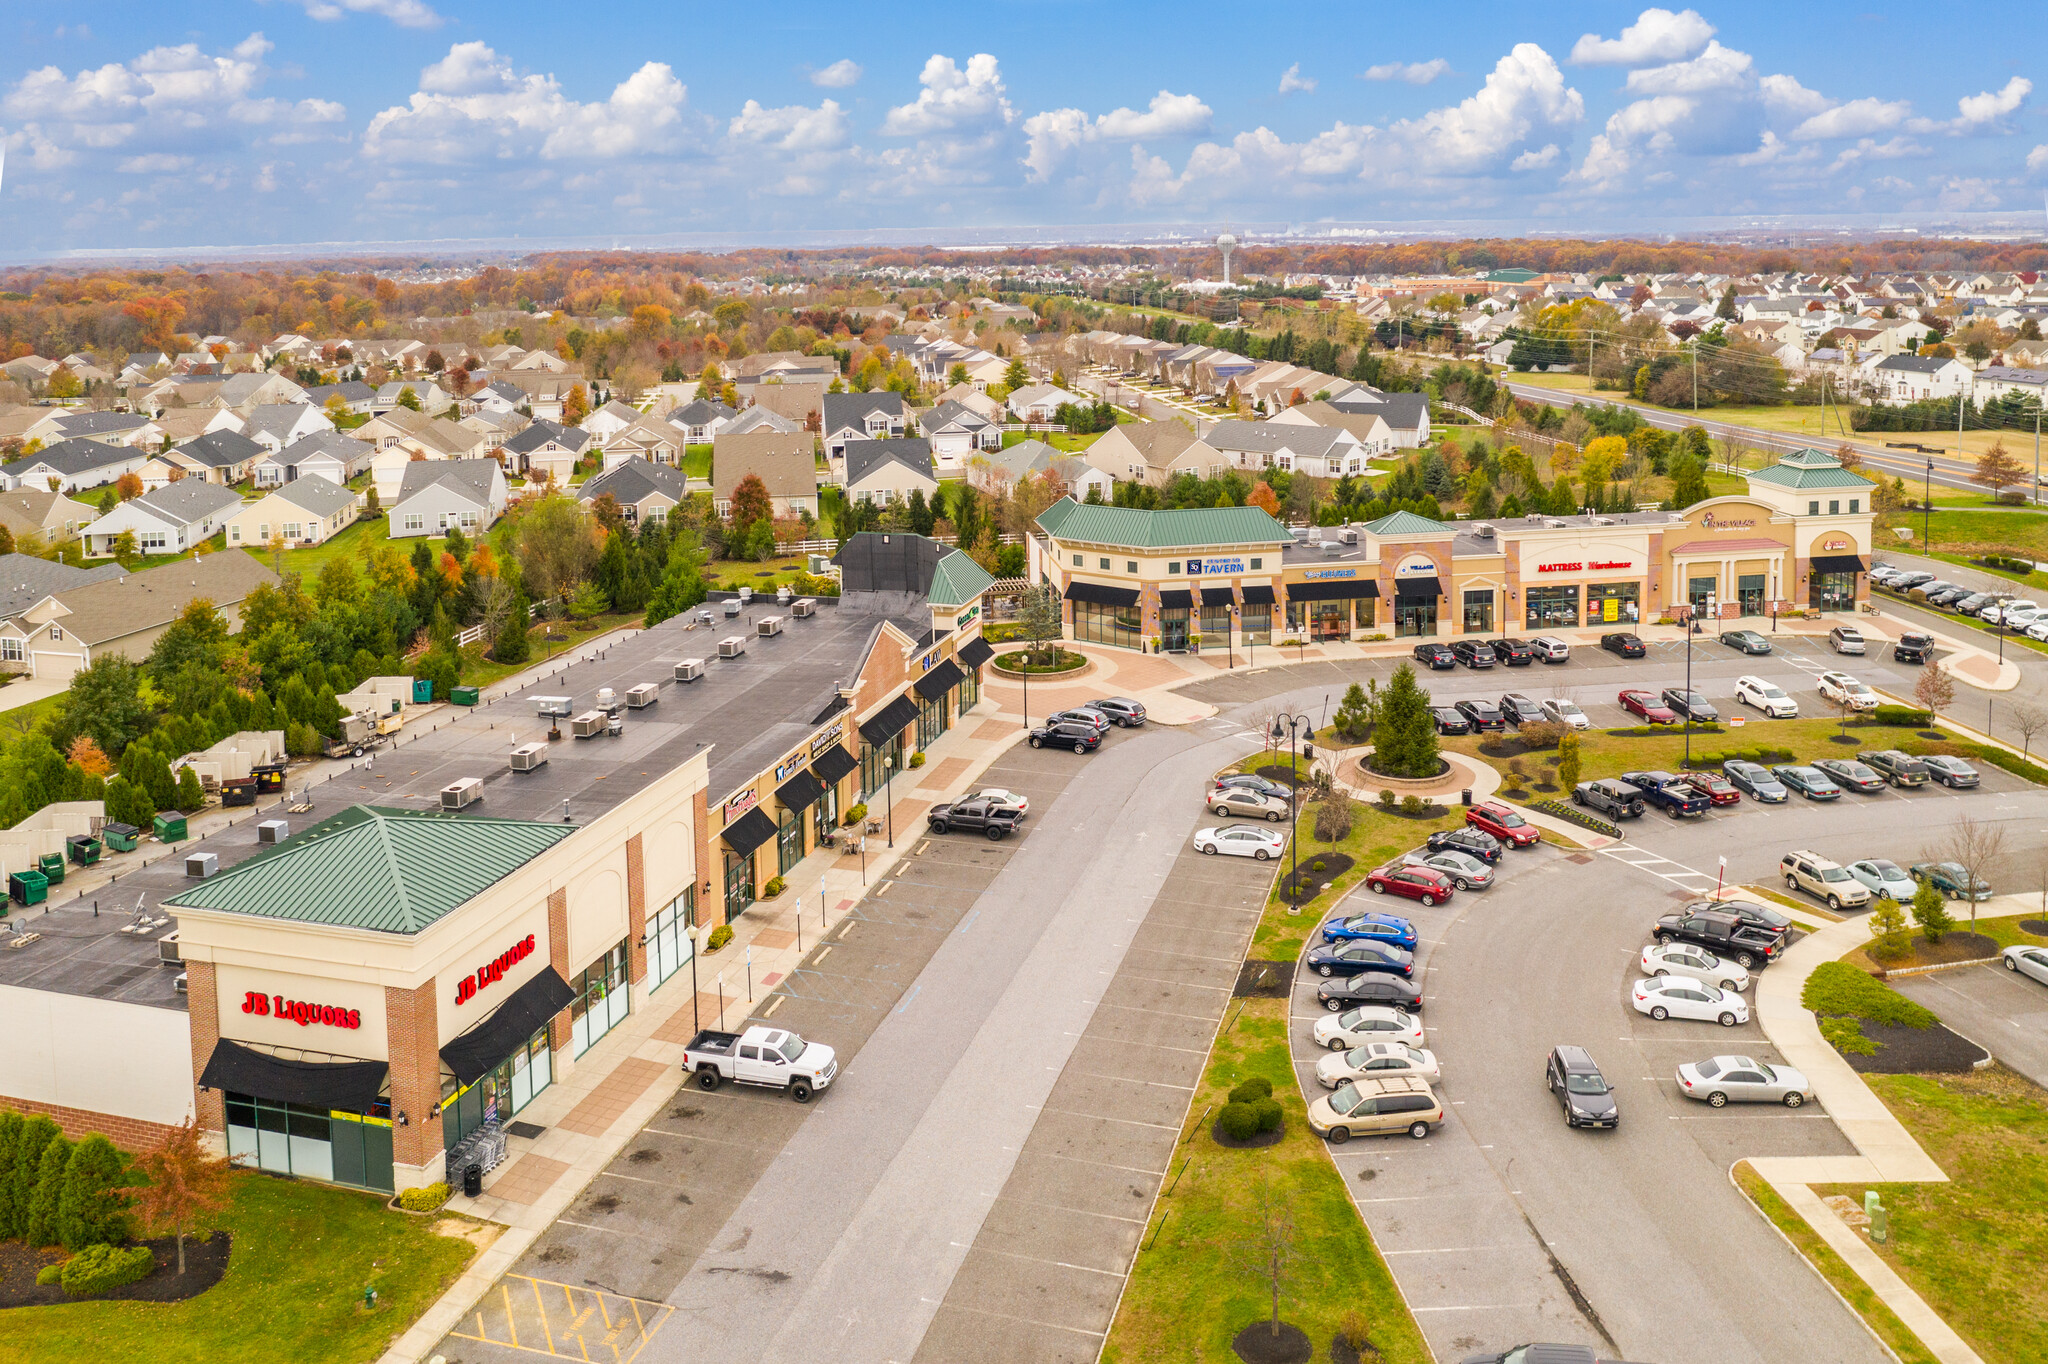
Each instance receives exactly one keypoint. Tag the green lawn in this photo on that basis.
(303, 1253)
(349, 544)
(697, 462)
(2015, 532)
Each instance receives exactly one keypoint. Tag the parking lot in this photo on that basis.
(2002, 1011)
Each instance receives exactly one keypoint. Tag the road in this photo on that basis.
(2000, 1010)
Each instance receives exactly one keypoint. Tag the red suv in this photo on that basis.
(1426, 884)
(1504, 824)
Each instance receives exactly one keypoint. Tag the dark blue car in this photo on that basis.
(1372, 927)
(1352, 958)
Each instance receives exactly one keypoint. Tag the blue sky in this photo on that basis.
(278, 122)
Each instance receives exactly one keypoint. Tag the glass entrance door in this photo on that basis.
(1699, 591)
(1479, 613)
(1749, 589)
(1173, 627)
(1414, 616)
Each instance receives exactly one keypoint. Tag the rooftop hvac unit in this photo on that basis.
(199, 866)
(552, 705)
(179, 983)
(273, 831)
(732, 646)
(1556, 524)
(689, 670)
(167, 953)
(768, 625)
(457, 795)
(1333, 546)
(1483, 530)
(1348, 535)
(607, 699)
(646, 694)
(783, 594)
(820, 565)
(588, 725)
(746, 595)
(529, 757)
(803, 607)
(1603, 521)
(732, 608)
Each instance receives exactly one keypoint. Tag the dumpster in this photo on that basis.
(422, 690)
(238, 791)
(120, 837)
(28, 888)
(170, 828)
(51, 865)
(464, 696)
(269, 776)
(84, 849)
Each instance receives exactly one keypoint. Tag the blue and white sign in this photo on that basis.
(1416, 566)
(1317, 574)
(1197, 567)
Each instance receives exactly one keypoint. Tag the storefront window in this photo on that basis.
(1699, 591)
(1749, 589)
(1215, 625)
(739, 884)
(789, 841)
(1173, 627)
(497, 1095)
(1257, 623)
(602, 999)
(1116, 625)
(1613, 603)
(311, 1143)
(1321, 620)
(874, 764)
(931, 721)
(668, 937)
(1551, 608)
(1479, 612)
(1833, 592)
(1415, 616)
(970, 690)
(825, 814)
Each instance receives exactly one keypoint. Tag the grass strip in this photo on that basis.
(1837, 989)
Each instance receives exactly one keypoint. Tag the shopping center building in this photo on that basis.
(1234, 577)
(437, 934)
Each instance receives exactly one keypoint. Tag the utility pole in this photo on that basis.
(2037, 453)
(1927, 507)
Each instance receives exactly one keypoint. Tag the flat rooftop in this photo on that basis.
(748, 711)
(1466, 542)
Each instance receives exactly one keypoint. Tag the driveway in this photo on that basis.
(29, 690)
(2000, 1010)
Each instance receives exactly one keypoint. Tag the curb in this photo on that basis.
(1940, 966)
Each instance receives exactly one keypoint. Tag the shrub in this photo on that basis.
(424, 1199)
(1903, 716)
(40, 1226)
(720, 936)
(1386, 798)
(1540, 734)
(1240, 1122)
(49, 1274)
(916, 760)
(1846, 1036)
(1252, 1090)
(1411, 804)
(93, 1207)
(1354, 1330)
(1269, 1114)
(1930, 912)
(774, 887)
(1316, 865)
(1835, 987)
(103, 1268)
(854, 816)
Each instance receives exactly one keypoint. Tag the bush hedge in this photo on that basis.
(1902, 716)
(720, 936)
(1760, 754)
(424, 1199)
(1268, 1114)
(50, 1274)
(102, 1268)
(1839, 989)
(1240, 1122)
(1252, 1090)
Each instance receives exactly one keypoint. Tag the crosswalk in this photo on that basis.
(1658, 865)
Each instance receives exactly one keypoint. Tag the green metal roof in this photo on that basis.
(957, 580)
(385, 870)
(1190, 528)
(1400, 523)
(1803, 469)
(1811, 458)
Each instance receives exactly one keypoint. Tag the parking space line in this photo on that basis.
(1447, 1250)
(1028, 1321)
(1104, 1117)
(1057, 1264)
(1478, 1307)
(1104, 1164)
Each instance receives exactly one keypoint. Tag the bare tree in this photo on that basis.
(2029, 720)
(1267, 1250)
(1976, 846)
(1936, 690)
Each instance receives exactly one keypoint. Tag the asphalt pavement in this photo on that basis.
(2002, 1011)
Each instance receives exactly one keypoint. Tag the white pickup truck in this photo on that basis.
(774, 1057)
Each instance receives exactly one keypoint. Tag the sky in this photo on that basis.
(267, 123)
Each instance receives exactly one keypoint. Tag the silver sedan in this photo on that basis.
(1240, 800)
(1466, 871)
(1722, 1080)
(2028, 961)
(1374, 1059)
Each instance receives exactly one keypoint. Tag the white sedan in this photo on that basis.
(1022, 804)
(1751, 690)
(1882, 876)
(1374, 1059)
(1722, 1080)
(1665, 997)
(1566, 713)
(1367, 1023)
(1240, 840)
(1845, 690)
(1694, 963)
(2028, 961)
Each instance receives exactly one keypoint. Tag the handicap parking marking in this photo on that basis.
(543, 1317)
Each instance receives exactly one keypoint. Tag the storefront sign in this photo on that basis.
(1836, 545)
(300, 1012)
(1416, 566)
(1582, 566)
(740, 804)
(1318, 574)
(1713, 522)
(1197, 567)
(967, 617)
(822, 741)
(925, 664)
(493, 970)
(790, 764)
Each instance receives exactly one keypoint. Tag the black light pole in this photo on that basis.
(1927, 507)
(1294, 724)
(1685, 621)
(889, 790)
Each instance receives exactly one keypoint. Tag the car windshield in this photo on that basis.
(1888, 870)
(1507, 819)
(1568, 708)
(1770, 1076)
(1770, 692)
(1578, 1083)
(1710, 991)
(1691, 698)
(1346, 1098)
(792, 1048)
(1417, 1057)
(1358, 1056)
(1856, 689)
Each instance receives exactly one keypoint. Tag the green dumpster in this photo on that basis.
(170, 828)
(51, 865)
(422, 690)
(464, 696)
(84, 849)
(28, 888)
(120, 837)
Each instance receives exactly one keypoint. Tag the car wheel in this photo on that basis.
(1273, 817)
(1794, 1100)
(1791, 882)
(1339, 1135)
(1220, 811)
(939, 826)
(1210, 849)
(1717, 1100)
(1428, 901)
(1380, 888)
(1335, 1006)
(1080, 746)
(1731, 987)
(995, 835)
(1660, 971)
(1033, 741)
(1834, 902)
(1660, 1013)
(1323, 971)
(1664, 940)
(1418, 1130)
(1262, 855)
(801, 1092)
(1726, 1020)
(1462, 884)
(2011, 965)
(1335, 1044)
(1745, 960)
(1578, 798)
(707, 1078)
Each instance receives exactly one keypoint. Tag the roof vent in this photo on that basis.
(1483, 531)
(1556, 524)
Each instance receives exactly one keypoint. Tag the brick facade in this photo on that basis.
(413, 1032)
(710, 903)
(133, 1135)
(202, 994)
(636, 910)
(558, 957)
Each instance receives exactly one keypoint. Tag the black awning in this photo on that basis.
(1418, 589)
(1102, 595)
(801, 791)
(1175, 598)
(749, 831)
(1258, 596)
(351, 1086)
(1837, 563)
(1218, 596)
(834, 764)
(1336, 589)
(975, 652)
(944, 676)
(889, 721)
(477, 1052)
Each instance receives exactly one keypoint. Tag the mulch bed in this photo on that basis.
(1954, 946)
(1335, 864)
(1366, 769)
(1845, 739)
(2037, 926)
(1275, 772)
(206, 1263)
(1256, 1344)
(1342, 1353)
(1429, 811)
(1916, 1051)
(1264, 980)
(1251, 1143)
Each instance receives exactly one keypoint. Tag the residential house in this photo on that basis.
(239, 392)
(645, 437)
(306, 511)
(997, 471)
(170, 520)
(1319, 451)
(546, 450)
(26, 579)
(495, 427)
(431, 397)
(759, 418)
(107, 610)
(1040, 403)
(643, 490)
(30, 371)
(782, 460)
(1406, 414)
(437, 494)
(180, 424)
(73, 464)
(499, 395)
(885, 471)
(610, 419)
(276, 425)
(1918, 378)
(539, 362)
(1375, 437)
(401, 434)
(975, 400)
(701, 421)
(2027, 355)
(546, 392)
(802, 403)
(328, 454)
(357, 397)
(1153, 453)
(862, 416)
(108, 428)
(51, 517)
(956, 431)
(223, 457)
(2002, 381)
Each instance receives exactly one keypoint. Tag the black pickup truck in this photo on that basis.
(976, 812)
(1674, 795)
(1725, 934)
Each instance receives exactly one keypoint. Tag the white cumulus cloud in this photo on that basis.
(1857, 118)
(1785, 96)
(1717, 68)
(2037, 159)
(1054, 134)
(1657, 35)
(1292, 80)
(1409, 73)
(405, 13)
(1982, 112)
(1524, 98)
(841, 75)
(795, 128)
(952, 98)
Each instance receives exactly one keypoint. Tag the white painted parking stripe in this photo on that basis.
(1446, 1250)
(1478, 1307)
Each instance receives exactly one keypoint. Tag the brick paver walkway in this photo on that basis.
(608, 1102)
(526, 1179)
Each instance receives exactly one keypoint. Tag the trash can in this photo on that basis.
(422, 690)
(473, 1180)
(1465, 796)
(51, 865)
(27, 888)
(170, 828)
(463, 696)
(120, 837)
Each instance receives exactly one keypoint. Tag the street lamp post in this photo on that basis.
(889, 793)
(1685, 623)
(1292, 734)
(1927, 506)
(695, 933)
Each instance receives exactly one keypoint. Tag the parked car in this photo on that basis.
(1950, 772)
(1882, 876)
(2015, 614)
(1810, 782)
(1450, 720)
(1646, 705)
(1371, 926)
(1366, 1023)
(1473, 842)
(1535, 1353)
(1623, 643)
(1121, 709)
(1581, 1091)
(1716, 788)
(1376, 1107)
(1746, 641)
(1900, 769)
(1947, 595)
(1410, 882)
(1242, 801)
(1474, 653)
(1722, 1080)
(1767, 697)
(1724, 934)
(1755, 780)
(1905, 580)
(1080, 715)
(1349, 992)
(2039, 628)
(1825, 880)
(1754, 913)
(1914, 646)
(1851, 775)
(1078, 735)
(1519, 710)
(1951, 880)
(1550, 649)
(1616, 799)
(1674, 997)
(1375, 1059)
(2027, 961)
(1975, 602)
(1465, 871)
(1672, 794)
(1846, 639)
(1253, 782)
(1513, 652)
(975, 815)
(1505, 823)
(1348, 959)
(1845, 690)
(1689, 705)
(1689, 959)
(1567, 713)
(1481, 715)
(1004, 796)
(1240, 840)
(1435, 656)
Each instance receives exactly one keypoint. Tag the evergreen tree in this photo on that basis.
(682, 585)
(1405, 740)
(1354, 718)
(1930, 911)
(191, 795)
(93, 1207)
(40, 1226)
(1688, 482)
(10, 1139)
(37, 1132)
(919, 513)
(513, 645)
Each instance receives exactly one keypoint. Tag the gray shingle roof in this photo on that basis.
(347, 449)
(26, 580)
(75, 456)
(863, 457)
(221, 449)
(1271, 437)
(471, 477)
(572, 438)
(851, 409)
(314, 493)
(631, 481)
(189, 500)
(100, 423)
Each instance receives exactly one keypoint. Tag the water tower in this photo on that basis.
(1226, 244)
